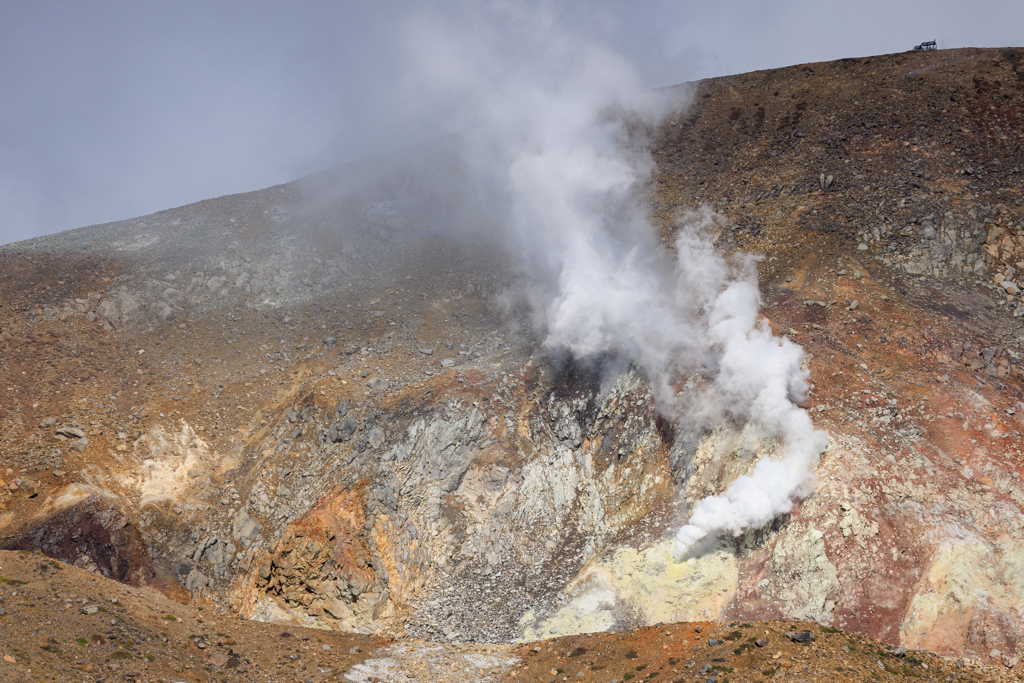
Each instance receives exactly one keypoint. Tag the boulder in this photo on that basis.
(196, 580)
(244, 528)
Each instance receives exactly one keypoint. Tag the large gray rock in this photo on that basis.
(342, 409)
(196, 580)
(244, 528)
(342, 431)
(107, 311)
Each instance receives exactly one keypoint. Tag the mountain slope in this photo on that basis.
(310, 403)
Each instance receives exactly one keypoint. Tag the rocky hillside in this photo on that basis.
(308, 404)
(85, 627)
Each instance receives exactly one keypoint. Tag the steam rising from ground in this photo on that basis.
(553, 143)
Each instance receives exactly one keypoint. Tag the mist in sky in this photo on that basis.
(115, 109)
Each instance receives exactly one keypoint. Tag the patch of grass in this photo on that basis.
(170, 617)
(595, 667)
(575, 653)
(559, 671)
(150, 656)
(82, 641)
(13, 582)
(50, 648)
(631, 654)
(723, 669)
(641, 667)
(120, 654)
(770, 672)
(626, 676)
(829, 629)
(733, 635)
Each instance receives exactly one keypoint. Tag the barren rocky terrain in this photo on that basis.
(309, 409)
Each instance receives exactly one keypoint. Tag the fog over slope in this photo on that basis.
(113, 112)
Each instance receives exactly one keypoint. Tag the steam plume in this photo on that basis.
(548, 144)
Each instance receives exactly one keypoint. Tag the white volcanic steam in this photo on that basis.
(548, 145)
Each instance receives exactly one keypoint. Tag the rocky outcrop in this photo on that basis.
(91, 534)
(463, 508)
(324, 567)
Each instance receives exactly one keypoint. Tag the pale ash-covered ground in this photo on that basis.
(318, 413)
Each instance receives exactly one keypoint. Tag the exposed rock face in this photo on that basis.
(95, 535)
(460, 494)
(324, 568)
(805, 581)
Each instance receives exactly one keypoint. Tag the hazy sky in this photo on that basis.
(110, 110)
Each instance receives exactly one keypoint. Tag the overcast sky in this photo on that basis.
(110, 110)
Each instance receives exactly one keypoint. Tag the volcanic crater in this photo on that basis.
(315, 407)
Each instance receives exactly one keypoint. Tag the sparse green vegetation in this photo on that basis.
(170, 617)
(13, 582)
(82, 641)
(631, 654)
